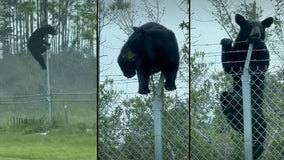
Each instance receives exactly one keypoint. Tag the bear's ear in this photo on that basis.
(267, 22)
(143, 32)
(136, 29)
(240, 20)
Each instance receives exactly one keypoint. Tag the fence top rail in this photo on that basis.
(22, 96)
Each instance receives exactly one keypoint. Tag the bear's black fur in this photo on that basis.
(150, 49)
(233, 60)
(37, 45)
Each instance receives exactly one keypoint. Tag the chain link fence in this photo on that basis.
(126, 125)
(31, 111)
(216, 126)
(23, 94)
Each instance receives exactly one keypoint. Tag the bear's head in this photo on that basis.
(126, 61)
(50, 30)
(252, 29)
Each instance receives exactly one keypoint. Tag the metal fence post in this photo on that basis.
(247, 121)
(48, 90)
(157, 109)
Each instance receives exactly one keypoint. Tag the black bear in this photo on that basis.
(233, 60)
(37, 45)
(150, 49)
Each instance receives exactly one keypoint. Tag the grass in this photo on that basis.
(64, 141)
(57, 145)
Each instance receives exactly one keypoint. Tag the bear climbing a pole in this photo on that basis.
(233, 60)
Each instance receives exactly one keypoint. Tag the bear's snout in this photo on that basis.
(255, 33)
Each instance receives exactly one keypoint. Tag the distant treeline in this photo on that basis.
(75, 22)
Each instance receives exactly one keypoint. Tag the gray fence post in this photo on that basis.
(157, 109)
(48, 89)
(247, 107)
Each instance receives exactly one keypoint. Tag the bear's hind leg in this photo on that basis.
(170, 76)
(231, 104)
(40, 60)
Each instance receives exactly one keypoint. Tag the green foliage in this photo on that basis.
(250, 10)
(27, 8)
(120, 5)
(274, 112)
(200, 149)
(176, 128)
(185, 49)
(276, 37)
(209, 130)
(126, 126)
(109, 117)
(276, 147)
(87, 12)
(225, 11)
(200, 87)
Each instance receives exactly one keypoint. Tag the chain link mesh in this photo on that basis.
(74, 110)
(217, 117)
(126, 127)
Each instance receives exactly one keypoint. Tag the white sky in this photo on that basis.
(114, 39)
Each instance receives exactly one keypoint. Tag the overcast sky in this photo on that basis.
(205, 30)
(114, 39)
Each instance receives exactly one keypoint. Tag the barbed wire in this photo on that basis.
(220, 62)
(42, 97)
(219, 43)
(73, 93)
(121, 75)
(22, 96)
(53, 93)
(132, 80)
(43, 100)
(22, 102)
(215, 44)
(219, 53)
(257, 50)
(73, 100)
